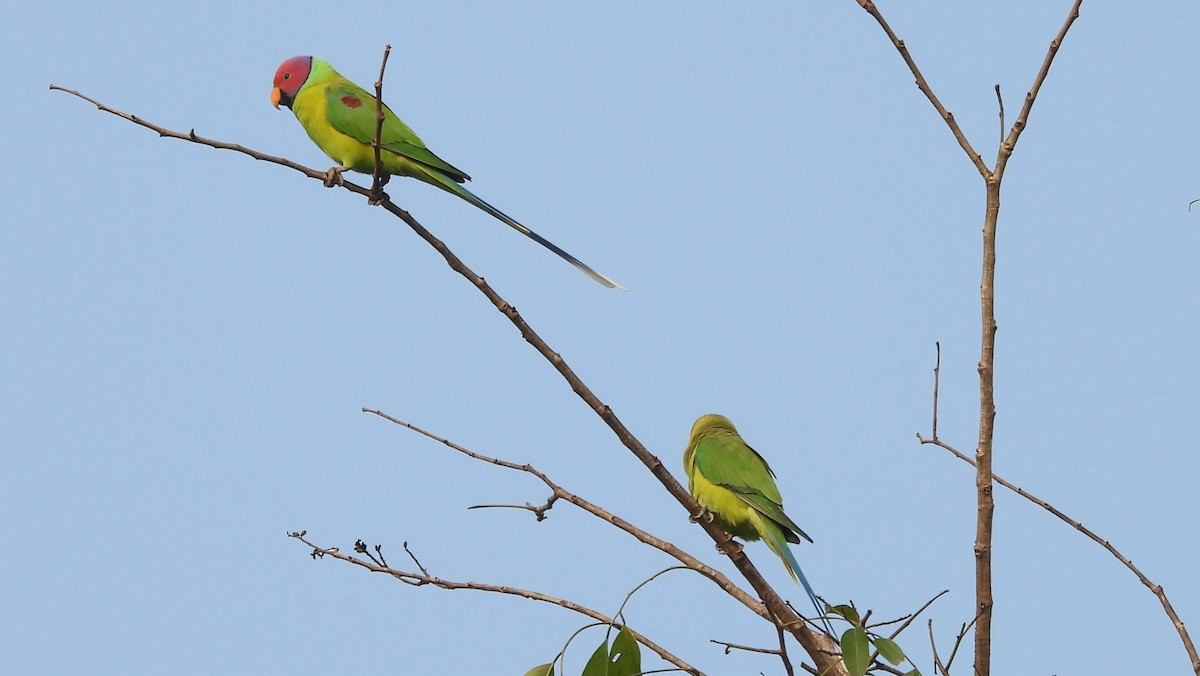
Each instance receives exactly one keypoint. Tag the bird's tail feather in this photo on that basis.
(445, 183)
(779, 545)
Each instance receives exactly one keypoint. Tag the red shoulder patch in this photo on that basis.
(351, 101)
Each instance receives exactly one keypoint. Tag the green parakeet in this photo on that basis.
(736, 485)
(340, 118)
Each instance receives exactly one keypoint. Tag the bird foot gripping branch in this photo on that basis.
(704, 515)
(334, 176)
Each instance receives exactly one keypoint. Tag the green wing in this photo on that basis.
(729, 462)
(352, 112)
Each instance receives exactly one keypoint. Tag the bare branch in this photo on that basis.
(985, 506)
(1000, 103)
(604, 515)
(937, 660)
(937, 369)
(192, 137)
(946, 115)
(423, 578)
(962, 633)
(1156, 589)
(378, 178)
(909, 619)
(819, 648)
(1007, 147)
(783, 654)
(539, 512)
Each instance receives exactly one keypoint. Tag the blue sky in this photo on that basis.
(189, 335)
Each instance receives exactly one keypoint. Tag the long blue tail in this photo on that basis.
(778, 545)
(448, 184)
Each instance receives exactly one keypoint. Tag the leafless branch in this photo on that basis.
(1000, 103)
(423, 578)
(985, 506)
(818, 647)
(378, 177)
(909, 619)
(539, 511)
(937, 660)
(1156, 589)
(962, 633)
(781, 651)
(946, 115)
(937, 368)
(1006, 148)
(560, 493)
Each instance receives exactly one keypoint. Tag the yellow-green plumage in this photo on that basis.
(341, 118)
(736, 485)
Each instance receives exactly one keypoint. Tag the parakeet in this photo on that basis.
(340, 117)
(736, 485)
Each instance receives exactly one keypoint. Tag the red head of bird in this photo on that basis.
(289, 79)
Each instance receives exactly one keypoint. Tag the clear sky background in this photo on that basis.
(188, 335)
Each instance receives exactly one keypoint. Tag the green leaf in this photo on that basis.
(914, 672)
(626, 657)
(856, 651)
(624, 660)
(541, 670)
(597, 664)
(889, 650)
(847, 612)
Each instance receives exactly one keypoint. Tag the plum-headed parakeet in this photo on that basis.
(340, 117)
(736, 485)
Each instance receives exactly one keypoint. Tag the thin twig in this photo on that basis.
(539, 511)
(985, 505)
(730, 647)
(1006, 148)
(937, 367)
(946, 115)
(424, 578)
(1000, 102)
(1156, 589)
(937, 660)
(911, 618)
(411, 556)
(595, 510)
(378, 178)
(783, 653)
(819, 648)
(962, 633)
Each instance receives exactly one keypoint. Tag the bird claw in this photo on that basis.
(703, 515)
(729, 548)
(377, 198)
(334, 176)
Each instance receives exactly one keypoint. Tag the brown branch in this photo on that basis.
(1000, 103)
(378, 178)
(962, 633)
(910, 618)
(1006, 148)
(937, 369)
(539, 511)
(1156, 589)
(820, 649)
(946, 115)
(937, 660)
(560, 493)
(781, 651)
(423, 578)
(985, 506)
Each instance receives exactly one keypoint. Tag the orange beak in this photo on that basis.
(275, 95)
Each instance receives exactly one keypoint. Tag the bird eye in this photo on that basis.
(287, 76)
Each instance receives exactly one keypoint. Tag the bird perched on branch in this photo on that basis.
(340, 117)
(736, 486)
